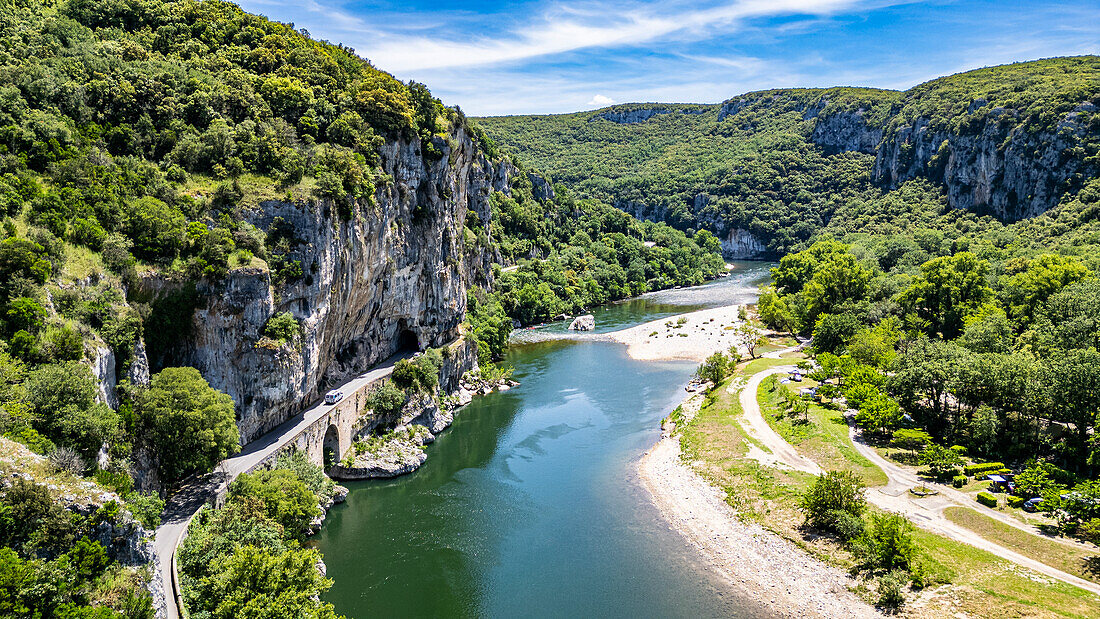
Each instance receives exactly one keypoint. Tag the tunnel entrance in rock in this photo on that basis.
(332, 449)
(408, 342)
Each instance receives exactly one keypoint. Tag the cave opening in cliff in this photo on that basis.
(408, 342)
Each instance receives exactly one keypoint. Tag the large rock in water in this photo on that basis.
(583, 323)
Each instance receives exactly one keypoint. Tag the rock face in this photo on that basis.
(586, 322)
(392, 278)
(629, 117)
(996, 165)
(738, 244)
(103, 369)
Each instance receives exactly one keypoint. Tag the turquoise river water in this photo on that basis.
(529, 505)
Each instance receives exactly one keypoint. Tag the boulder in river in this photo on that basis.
(583, 323)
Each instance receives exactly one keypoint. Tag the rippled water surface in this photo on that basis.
(528, 505)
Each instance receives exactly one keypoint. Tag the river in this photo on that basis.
(529, 504)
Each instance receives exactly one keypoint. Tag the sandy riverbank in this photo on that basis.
(784, 579)
(668, 339)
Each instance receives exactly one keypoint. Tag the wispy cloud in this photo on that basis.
(559, 30)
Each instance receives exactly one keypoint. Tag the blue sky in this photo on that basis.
(549, 56)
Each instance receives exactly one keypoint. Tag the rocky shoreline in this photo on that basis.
(401, 450)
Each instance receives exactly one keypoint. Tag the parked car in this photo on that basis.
(1032, 504)
(334, 396)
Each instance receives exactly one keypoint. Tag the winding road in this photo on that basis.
(926, 512)
(182, 506)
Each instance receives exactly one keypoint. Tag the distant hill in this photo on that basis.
(768, 169)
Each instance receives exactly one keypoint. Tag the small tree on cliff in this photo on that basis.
(188, 425)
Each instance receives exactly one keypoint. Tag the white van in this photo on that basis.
(334, 396)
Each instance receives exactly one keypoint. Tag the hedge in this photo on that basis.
(977, 469)
(959, 481)
(987, 499)
(1016, 501)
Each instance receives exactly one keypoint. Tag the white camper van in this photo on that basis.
(334, 396)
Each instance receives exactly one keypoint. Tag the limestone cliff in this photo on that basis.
(392, 277)
(995, 164)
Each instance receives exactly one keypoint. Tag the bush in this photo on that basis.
(888, 544)
(890, 594)
(987, 499)
(386, 400)
(974, 470)
(283, 497)
(145, 508)
(1016, 501)
(282, 327)
(959, 481)
(847, 526)
(67, 459)
(835, 491)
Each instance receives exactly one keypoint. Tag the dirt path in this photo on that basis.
(780, 452)
(928, 513)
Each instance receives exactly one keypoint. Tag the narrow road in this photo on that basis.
(182, 506)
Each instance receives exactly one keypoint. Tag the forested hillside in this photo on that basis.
(1010, 142)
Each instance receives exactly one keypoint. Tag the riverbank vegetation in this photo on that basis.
(246, 559)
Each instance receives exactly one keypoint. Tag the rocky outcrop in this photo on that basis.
(103, 369)
(631, 116)
(393, 277)
(846, 131)
(738, 244)
(586, 322)
(995, 164)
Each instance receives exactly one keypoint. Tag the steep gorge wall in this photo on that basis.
(393, 277)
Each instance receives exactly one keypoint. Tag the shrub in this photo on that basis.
(282, 496)
(847, 526)
(987, 499)
(145, 508)
(1016, 501)
(835, 491)
(890, 594)
(888, 544)
(959, 481)
(282, 327)
(67, 459)
(974, 470)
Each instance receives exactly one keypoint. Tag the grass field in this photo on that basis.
(1070, 559)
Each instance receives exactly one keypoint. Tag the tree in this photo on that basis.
(832, 332)
(940, 460)
(284, 498)
(282, 327)
(988, 331)
(833, 493)
(1072, 388)
(715, 369)
(1039, 479)
(948, 289)
(158, 230)
(749, 337)
(774, 312)
(188, 425)
(911, 440)
(386, 400)
(879, 415)
(1044, 276)
(874, 346)
(888, 544)
(254, 583)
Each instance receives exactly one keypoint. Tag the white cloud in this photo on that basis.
(564, 30)
(600, 100)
